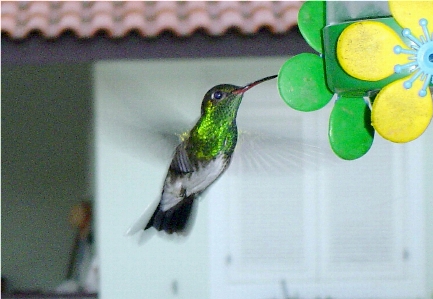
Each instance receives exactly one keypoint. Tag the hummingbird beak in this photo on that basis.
(248, 86)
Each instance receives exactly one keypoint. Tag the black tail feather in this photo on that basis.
(175, 219)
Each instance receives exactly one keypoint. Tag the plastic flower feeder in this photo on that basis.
(371, 51)
(375, 58)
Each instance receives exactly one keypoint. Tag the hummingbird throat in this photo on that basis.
(216, 130)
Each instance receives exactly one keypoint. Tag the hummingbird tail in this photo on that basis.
(176, 219)
(141, 222)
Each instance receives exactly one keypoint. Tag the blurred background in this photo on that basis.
(93, 94)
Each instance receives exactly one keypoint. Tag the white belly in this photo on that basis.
(184, 185)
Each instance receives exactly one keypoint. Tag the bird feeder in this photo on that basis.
(375, 59)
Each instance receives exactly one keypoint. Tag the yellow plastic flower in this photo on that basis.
(370, 50)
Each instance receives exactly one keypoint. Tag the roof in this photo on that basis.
(117, 19)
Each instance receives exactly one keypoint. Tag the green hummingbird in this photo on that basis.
(198, 161)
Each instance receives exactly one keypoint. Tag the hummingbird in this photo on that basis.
(198, 161)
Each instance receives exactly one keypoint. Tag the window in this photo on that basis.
(318, 226)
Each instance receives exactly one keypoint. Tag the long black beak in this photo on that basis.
(248, 86)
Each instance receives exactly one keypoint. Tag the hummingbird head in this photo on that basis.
(226, 98)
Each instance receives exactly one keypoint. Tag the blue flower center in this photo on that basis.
(421, 57)
(425, 57)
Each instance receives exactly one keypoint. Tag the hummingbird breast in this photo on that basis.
(207, 142)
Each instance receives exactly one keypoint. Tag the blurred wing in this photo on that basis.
(144, 131)
(158, 143)
(266, 153)
(145, 125)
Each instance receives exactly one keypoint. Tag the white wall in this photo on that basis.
(135, 100)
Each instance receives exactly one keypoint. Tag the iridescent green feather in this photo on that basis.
(216, 130)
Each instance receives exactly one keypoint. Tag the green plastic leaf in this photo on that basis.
(350, 131)
(311, 20)
(301, 83)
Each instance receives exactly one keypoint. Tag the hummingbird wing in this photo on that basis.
(266, 153)
(145, 125)
(144, 140)
(181, 162)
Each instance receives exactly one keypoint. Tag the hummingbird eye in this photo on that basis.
(217, 95)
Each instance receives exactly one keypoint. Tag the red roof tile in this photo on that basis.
(51, 18)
